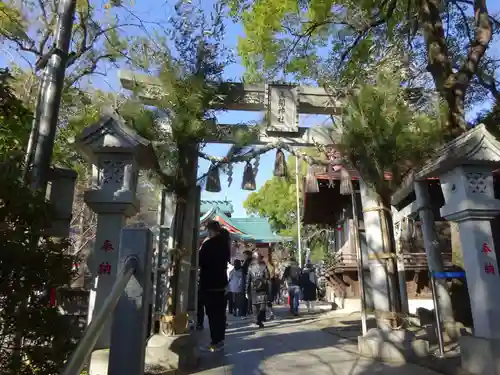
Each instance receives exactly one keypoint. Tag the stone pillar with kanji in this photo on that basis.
(470, 202)
(465, 168)
(117, 154)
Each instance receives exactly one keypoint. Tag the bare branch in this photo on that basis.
(465, 21)
(492, 19)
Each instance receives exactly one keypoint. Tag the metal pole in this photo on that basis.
(93, 331)
(297, 193)
(359, 257)
(403, 229)
(159, 264)
(51, 97)
(438, 316)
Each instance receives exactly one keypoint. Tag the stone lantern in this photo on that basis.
(117, 154)
(465, 167)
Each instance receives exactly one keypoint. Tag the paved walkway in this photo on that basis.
(287, 347)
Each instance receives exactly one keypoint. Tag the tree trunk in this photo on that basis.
(183, 228)
(456, 113)
(387, 228)
(453, 85)
(377, 219)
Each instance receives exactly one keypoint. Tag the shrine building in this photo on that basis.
(247, 233)
(328, 208)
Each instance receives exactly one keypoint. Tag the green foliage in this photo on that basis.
(382, 133)
(336, 41)
(189, 61)
(27, 28)
(491, 119)
(29, 268)
(15, 118)
(192, 74)
(276, 200)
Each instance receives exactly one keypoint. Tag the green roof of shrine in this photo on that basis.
(222, 206)
(254, 229)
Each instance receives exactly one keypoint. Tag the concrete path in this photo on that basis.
(288, 347)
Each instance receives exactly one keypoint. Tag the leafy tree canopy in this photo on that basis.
(337, 40)
(15, 118)
(27, 272)
(382, 132)
(276, 200)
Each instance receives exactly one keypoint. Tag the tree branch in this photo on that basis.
(90, 69)
(465, 21)
(16, 38)
(438, 61)
(82, 50)
(478, 47)
(492, 19)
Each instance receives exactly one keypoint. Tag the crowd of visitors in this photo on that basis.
(248, 287)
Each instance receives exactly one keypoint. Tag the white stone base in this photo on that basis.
(99, 362)
(397, 346)
(171, 353)
(480, 356)
(164, 354)
(354, 305)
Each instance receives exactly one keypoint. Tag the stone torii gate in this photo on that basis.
(283, 103)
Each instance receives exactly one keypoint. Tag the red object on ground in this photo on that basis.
(53, 298)
(289, 302)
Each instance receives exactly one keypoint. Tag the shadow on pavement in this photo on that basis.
(293, 347)
(350, 329)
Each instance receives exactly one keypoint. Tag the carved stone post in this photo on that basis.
(434, 258)
(470, 202)
(117, 153)
(465, 168)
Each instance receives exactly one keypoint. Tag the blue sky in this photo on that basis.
(155, 10)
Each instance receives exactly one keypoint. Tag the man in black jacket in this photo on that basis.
(257, 287)
(214, 256)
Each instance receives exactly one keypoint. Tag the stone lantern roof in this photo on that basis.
(475, 147)
(111, 134)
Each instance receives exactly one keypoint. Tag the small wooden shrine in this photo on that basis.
(327, 207)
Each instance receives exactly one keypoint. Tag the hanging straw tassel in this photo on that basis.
(311, 181)
(248, 182)
(280, 168)
(345, 182)
(213, 180)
